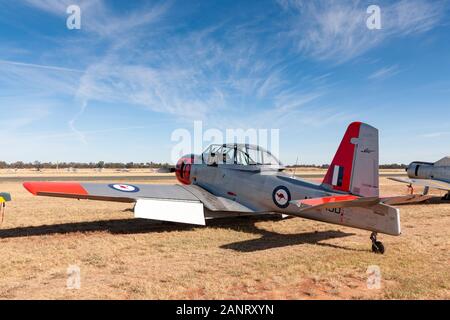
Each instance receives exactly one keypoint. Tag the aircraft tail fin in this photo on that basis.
(354, 168)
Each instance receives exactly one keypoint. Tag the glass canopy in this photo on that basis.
(238, 154)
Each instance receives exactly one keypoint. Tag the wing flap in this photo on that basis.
(190, 212)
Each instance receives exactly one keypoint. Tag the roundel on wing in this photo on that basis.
(124, 187)
(281, 197)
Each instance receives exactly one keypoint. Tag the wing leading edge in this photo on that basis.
(133, 192)
(435, 184)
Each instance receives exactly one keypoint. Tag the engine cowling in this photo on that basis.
(183, 169)
(420, 170)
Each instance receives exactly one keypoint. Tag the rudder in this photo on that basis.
(354, 168)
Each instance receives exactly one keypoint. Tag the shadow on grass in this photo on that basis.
(271, 240)
(268, 239)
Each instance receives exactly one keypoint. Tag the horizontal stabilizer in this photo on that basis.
(435, 184)
(345, 201)
(363, 213)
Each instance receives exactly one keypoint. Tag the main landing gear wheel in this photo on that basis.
(377, 246)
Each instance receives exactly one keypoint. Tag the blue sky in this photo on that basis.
(136, 71)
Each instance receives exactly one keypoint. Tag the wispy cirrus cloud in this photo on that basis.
(38, 80)
(99, 19)
(39, 66)
(102, 81)
(336, 30)
(439, 134)
(384, 73)
(220, 71)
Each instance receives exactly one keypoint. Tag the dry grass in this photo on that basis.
(122, 258)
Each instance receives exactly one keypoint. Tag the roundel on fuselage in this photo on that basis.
(281, 197)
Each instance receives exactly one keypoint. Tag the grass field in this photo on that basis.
(266, 258)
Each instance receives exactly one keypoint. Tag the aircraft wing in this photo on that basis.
(175, 203)
(435, 184)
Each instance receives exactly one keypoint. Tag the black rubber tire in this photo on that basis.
(378, 247)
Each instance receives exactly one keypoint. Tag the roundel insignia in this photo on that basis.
(281, 197)
(124, 187)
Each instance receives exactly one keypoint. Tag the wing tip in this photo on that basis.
(30, 187)
(55, 187)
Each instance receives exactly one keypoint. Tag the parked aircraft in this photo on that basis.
(241, 179)
(429, 175)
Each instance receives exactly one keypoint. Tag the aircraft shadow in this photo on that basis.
(119, 226)
(272, 240)
(268, 240)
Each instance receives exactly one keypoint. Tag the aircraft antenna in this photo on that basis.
(295, 168)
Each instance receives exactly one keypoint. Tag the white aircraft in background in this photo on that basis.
(429, 175)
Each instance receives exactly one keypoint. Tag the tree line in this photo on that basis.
(80, 165)
(135, 165)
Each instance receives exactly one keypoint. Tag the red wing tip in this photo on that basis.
(30, 187)
(55, 187)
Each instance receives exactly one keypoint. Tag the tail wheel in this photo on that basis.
(378, 247)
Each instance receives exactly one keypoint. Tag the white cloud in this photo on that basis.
(384, 73)
(336, 30)
(38, 80)
(440, 134)
(210, 73)
(98, 19)
(39, 66)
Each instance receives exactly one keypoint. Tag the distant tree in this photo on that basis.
(37, 165)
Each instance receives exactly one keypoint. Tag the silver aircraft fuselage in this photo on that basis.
(256, 187)
(428, 170)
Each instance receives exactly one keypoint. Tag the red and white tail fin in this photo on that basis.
(355, 166)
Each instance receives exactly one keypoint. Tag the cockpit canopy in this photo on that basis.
(239, 154)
